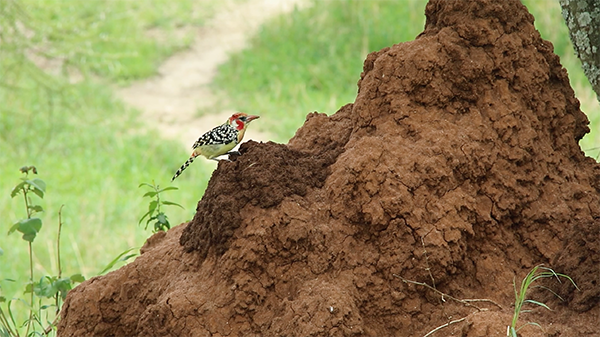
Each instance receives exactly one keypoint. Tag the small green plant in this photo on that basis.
(161, 222)
(538, 272)
(29, 226)
(123, 257)
(48, 287)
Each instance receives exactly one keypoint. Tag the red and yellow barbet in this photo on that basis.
(220, 140)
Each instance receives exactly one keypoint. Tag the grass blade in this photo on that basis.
(121, 257)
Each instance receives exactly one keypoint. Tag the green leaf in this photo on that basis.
(161, 226)
(38, 192)
(28, 288)
(145, 184)
(17, 189)
(36, 208)
(526, 324)
(538, 303)
(51, 286)
(143, 217)
(162, 223)
(62, 283)
(13, 228)
(150, 194)
(148, 222)
(29, 228)
(152, 206)
(62, 286)
(127, 257)
(45, 287)
(39, 183)
(168, 189)
(9, 309)
(63, 294)
(2, 299)
(77, 278)
(38, 186)
(120, 257)
(172, 203)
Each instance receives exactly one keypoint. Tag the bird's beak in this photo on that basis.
(250, 118)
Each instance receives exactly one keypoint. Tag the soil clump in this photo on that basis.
(457, 166)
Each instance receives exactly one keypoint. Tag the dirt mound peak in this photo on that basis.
(251, 180)
(457, 166)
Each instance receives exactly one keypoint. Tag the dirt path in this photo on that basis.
(170, 100)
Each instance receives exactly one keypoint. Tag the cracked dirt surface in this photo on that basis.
(458, 166)
(170, 101)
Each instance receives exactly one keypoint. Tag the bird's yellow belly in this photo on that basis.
(214, 150)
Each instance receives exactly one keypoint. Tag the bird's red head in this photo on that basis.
(240, 120)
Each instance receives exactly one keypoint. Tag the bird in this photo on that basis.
(220, 140)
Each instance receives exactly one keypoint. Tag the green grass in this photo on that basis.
(311, 60)
(93, 164)
(113, 39)
(90, 149)
(521, 300)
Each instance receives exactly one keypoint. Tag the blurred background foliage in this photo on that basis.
(59, 64)
(312, 59)
(61, 60)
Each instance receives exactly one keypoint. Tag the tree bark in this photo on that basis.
(583, 20)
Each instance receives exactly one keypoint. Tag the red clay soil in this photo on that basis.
(458, 166)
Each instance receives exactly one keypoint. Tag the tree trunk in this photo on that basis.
(583, 20)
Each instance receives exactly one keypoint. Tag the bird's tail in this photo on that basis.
(183, 167)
